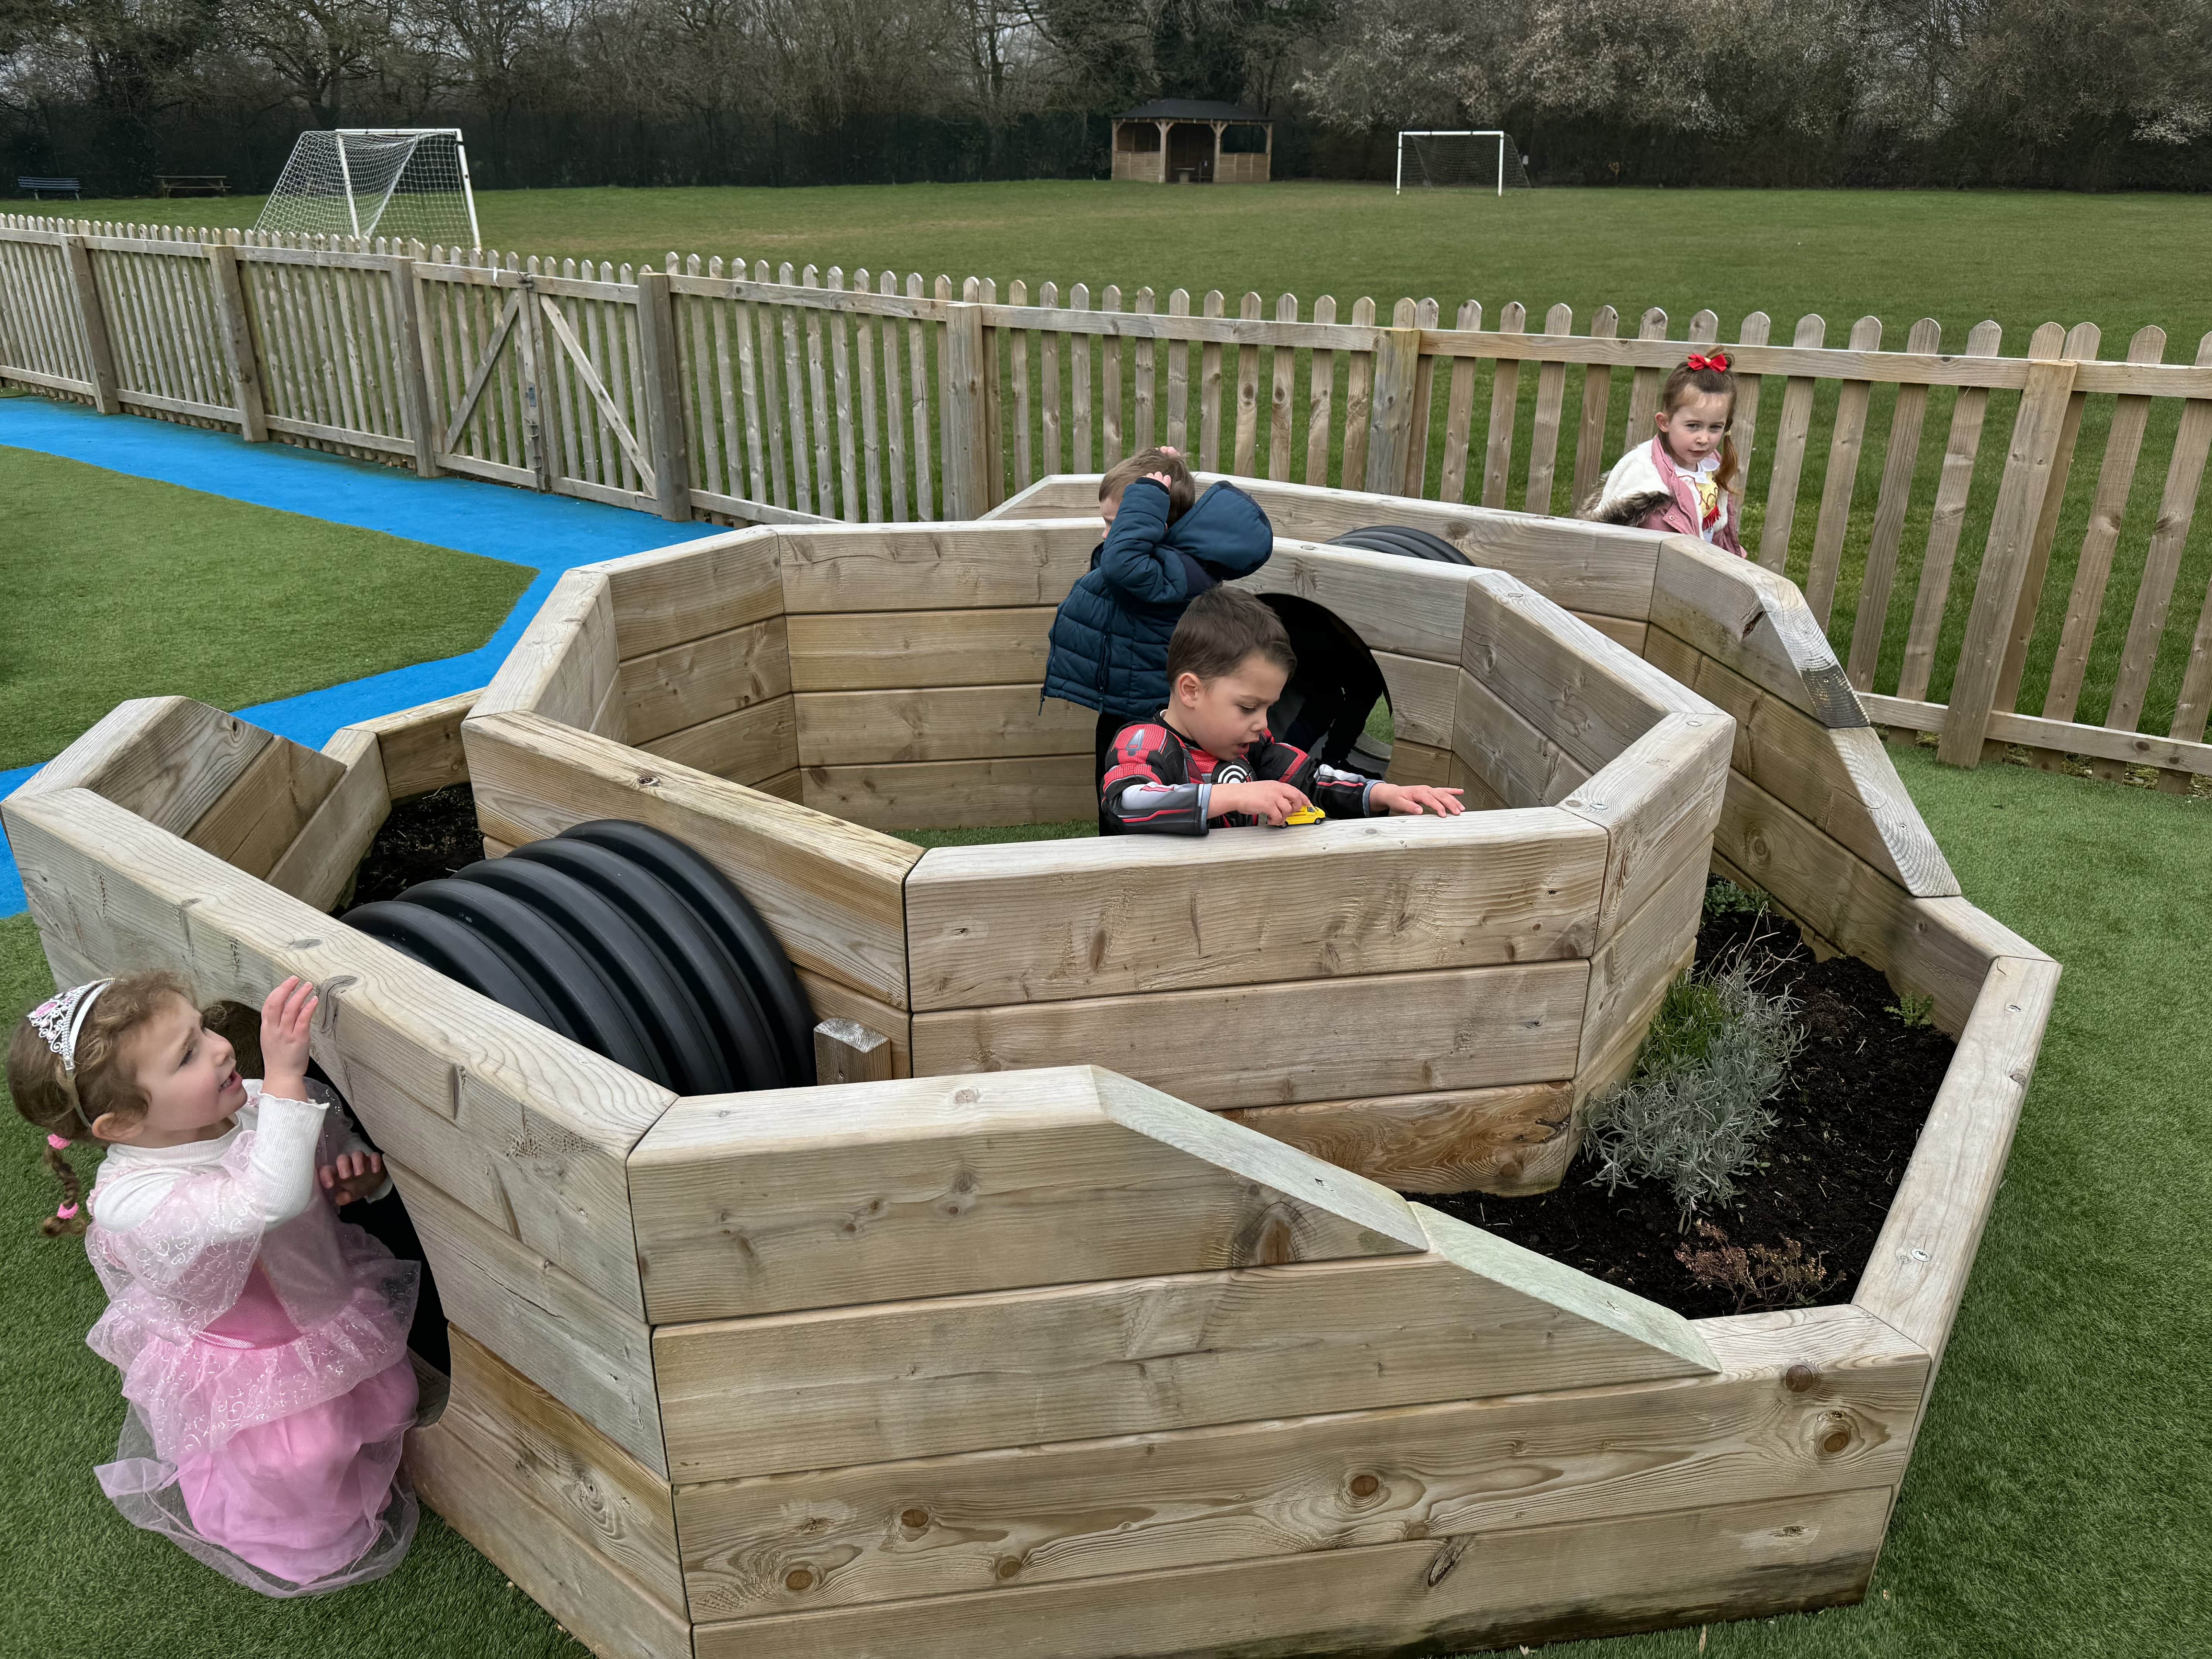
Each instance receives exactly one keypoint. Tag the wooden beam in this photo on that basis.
(1455, 1140)
(1408, 607)
(747, 1202)
(1474, 1317)
(254, 821)
(1057, 920)
(166, 760)
(845, 1051)
(1839, 777)
(830, 891)
(1815, 1403)
(693, 590)
(1462, 1028)
(956, 794)
(318, 866)
(967, 453)
(663, 376)
(421, 746)
(564, 664)
(1514, 761)
(938, 723)
(896, 650)
(1658, 803)
(1391, 437)
(233, 330)
(1753, 623)
(92, 318)
(937, 566)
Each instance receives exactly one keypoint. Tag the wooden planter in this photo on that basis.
(1043, 1357)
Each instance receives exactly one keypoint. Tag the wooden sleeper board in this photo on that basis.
(1824, 1402)
(936, 565)
(1491, 1141)
(693, 589)
(421, 746)
(800, 1199)
(564, 666)
(956, 793)
(1472, 1317)
(696, 680)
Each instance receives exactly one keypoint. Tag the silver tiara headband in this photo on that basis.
(60, 1020)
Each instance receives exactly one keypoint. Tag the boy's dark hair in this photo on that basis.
(1183, 488)
(1222, 628)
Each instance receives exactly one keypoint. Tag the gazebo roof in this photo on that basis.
(1192, 109)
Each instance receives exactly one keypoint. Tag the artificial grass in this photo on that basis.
(2054, 1505)
(120, 587)
(1070, 829)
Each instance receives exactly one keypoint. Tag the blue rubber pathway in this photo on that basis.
(550, 534)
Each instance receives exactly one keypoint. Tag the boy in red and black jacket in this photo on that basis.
(1209, 758)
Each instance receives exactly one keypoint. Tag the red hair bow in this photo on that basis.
(1716, 362)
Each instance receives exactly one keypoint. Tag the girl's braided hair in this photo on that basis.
(66, 1103)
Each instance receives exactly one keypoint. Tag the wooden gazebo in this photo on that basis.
(1189, 141)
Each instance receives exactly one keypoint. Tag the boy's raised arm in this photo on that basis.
(1133, 562)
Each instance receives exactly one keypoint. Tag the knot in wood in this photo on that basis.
(799, 1579)
(1801, 1378)
(1835, 1438)
(1365, 1485)
(914, 1520)
(1009, 1566)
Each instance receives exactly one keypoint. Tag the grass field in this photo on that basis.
(2119, 261)
(120, 587)
(2054, 1505)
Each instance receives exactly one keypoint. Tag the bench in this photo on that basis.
(192, 184)
(39, 189)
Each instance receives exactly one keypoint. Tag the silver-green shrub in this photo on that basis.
(1695, 1111)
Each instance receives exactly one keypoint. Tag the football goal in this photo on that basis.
(1464, 161)
(407, 182)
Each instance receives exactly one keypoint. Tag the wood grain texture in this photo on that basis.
(564, 664)
(1916, 1276)
(938, 567)
(1585, 1579)
(1515, 761)
(1461, 1028)
(833, 1001)
(571, 1475)
(319, 864)
(694, 589)
(938, 723)
(1054, 921)
(895, 650)
(1580, 690)
(1755, 624)
(1454, 1141)
(845, 1051)
(421, 746)
(262, 814)
(1824, 1402)
(165, 759)
(829, 1197)
(829, 890)
(748, 746)
(1658, 802)
(1424, 697)
(1838, 777)
(1939, 947)
(598, 1603)
(1630, 972)
(551, 1121)
(681, 685)
(1406, 607)
(1472, 1317)
(957, 794)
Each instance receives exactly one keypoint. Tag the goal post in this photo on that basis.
(408, 182)
(1462, 158)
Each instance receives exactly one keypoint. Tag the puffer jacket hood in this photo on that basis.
(1109, 640)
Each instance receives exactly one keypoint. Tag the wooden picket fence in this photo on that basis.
(741, 394)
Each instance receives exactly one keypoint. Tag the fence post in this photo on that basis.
(2034, 451)
(967, 487)
(79, 259)
(414, 370)
(1390, 427)
(530, 357)
(236, 332)
(664, 395)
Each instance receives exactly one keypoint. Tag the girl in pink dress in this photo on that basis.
(1686, 478)
(262, 1341)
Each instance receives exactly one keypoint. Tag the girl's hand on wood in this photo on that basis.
(354, 1175)
(1413, 800)
(284, 1020)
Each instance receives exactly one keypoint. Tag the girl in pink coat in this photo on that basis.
(1685, 480)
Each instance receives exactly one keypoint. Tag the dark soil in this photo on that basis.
(429, 836)
(1805, 1220)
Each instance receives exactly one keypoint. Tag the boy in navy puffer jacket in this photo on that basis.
(1165, 544)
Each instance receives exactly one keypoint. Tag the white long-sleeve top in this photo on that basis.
(280, 1169)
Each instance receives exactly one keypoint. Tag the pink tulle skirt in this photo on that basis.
(292, 1505)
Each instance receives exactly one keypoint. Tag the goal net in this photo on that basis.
(376, 181)
(1465, 161)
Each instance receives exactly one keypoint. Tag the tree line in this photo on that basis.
(2087, 93)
